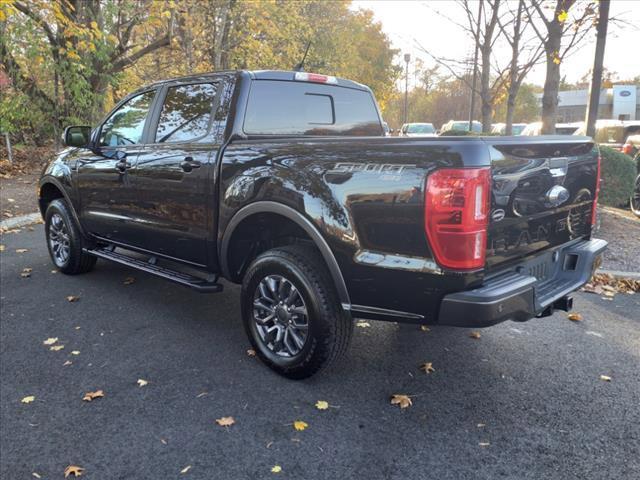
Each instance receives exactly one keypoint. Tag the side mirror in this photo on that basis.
(76, 136)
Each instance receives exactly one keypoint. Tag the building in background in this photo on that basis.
(622, 102)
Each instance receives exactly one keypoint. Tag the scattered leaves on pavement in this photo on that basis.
(142, 382)
(251, 352)
(575, 317)
(225, 421)
(74, 470)
(608, 285)
(50, 341)
(403, 401)
(424, 328)
(129, 281)
(427, 367)
(362, 324)
(605, 378)
(185, 469)
(89, 396)
(56, 348)
(299, 425)
(276, 469)
(72, 298)
(322, 405)
(22, 250)
(26, 272)
(475, 335)
(28, 399)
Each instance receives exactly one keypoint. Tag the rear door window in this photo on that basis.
(186, 113)
(302, 108)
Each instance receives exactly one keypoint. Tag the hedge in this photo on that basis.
(618, 173)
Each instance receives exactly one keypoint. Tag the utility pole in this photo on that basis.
(596, 75)
(472, 107)
(407, 58)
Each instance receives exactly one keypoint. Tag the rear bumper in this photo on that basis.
(528, 290)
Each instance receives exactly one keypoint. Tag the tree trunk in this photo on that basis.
(552, 80)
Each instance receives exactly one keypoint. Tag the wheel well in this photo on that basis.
(257, 234)
(48, 193)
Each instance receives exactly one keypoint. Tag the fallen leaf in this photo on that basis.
(251, 352)
(322, 405)
(185, 469)
(475, 335)
(28, 399)
(73, 469)
(484, 444)
(363, 324)
(299, 425)
(403, 401)
(68, 362)
(427, 367)
(21, 250)
(424, 328)
(26, 272)
(163, 441)
(480, 425)
(89, 396)
(37, 475)
(605, 378)
(142, 382)
(50, 341)
(276, 469)
(75, 352)
(2, 247)
(129, 281)
(575, 317)
(56, 348)
(225, 421)
(72, 298)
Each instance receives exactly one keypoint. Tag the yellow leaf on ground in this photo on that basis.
(424, 328)
(36, 474)
(26, 272)
(427, 367)
(363, 324)
(129, 281)
(185, 469)
(22, 250)
(276, 469)
(74, 470)
(225, 421)
(89, 396)
(251, 352)
(142, 382)
(28, 399)
(75, 352)
(322, 405)
(484, 444)
(475, 335)
(403, 401)
(67, 363)
(56, 348)
(72, 298)
(576, 317)
(605, 378)
(2, 247)
(50, 341)
(299, 425)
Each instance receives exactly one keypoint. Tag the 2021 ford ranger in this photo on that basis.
(284, 182)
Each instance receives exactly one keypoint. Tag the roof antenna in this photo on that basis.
(300, 67)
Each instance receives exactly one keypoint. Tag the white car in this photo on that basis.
(418, 130)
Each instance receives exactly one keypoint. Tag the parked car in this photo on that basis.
(284, 182)
(535, 129)
(612, 133)
(460, 126)
(631, 145)
(501, 128)
(417, 130)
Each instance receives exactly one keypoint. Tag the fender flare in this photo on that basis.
(302, 222)
(56, 183)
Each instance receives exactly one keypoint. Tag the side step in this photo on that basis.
(197, 283)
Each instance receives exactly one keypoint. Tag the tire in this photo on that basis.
(271, 280)
(635, 198)
(65, 241)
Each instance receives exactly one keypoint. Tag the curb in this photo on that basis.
(619, 274)
(21, 221)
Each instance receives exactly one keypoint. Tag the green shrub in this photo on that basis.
(618, 173)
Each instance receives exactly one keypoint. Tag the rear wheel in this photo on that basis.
(64, 240)
(291, 312)
(635, 198)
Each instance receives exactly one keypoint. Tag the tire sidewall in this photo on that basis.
(52, 210)
(276, 265)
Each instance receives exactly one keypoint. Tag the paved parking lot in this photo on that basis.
(523, 401)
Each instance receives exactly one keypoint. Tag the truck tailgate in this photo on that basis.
(542, 195)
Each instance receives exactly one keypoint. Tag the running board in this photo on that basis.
(150, 266)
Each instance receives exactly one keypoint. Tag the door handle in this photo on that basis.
(189, 164)
(123, 165)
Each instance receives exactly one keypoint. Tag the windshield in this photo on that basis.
(517, 129)
(420, 128)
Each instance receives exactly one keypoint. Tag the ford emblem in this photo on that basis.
(556, 195)
(625, 93)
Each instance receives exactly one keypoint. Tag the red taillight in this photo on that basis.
(314, 77)
(595, 195)
(456, 216)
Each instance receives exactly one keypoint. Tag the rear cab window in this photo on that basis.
(277, 107)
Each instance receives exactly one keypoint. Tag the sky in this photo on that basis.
(412, 22)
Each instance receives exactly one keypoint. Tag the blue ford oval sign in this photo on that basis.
(625, 93)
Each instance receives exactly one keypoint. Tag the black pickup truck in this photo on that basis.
(285, 183)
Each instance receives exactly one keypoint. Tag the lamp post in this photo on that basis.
(407, 58)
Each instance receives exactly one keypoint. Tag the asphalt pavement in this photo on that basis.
(523, 401)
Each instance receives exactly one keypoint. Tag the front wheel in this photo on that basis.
(64, 240)
(635, 198)
(292, 313)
